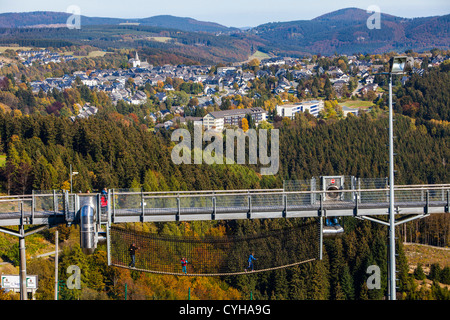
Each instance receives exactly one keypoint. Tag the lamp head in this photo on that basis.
(401, 64)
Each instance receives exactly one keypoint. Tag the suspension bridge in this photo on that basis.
(100, 215)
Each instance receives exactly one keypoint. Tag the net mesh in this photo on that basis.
(214, 255)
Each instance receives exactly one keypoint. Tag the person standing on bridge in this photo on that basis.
(184, 263)
(104, 198)
(132, 250)
(250, 262)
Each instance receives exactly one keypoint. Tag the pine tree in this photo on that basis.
(347, 283)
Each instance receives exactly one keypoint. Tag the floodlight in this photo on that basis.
(401, 64)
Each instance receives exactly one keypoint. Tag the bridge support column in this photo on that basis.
(322, 214)
(23, 267)
(447, 206)
(320, 238)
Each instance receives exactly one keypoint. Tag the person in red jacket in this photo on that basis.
(184, 263)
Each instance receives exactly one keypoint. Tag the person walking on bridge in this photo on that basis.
(184, 263)
(132, 250)
(251, 258)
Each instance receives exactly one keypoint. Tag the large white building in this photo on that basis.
(289, 110)
(218, 119)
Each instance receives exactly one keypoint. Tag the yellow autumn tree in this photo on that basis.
(244, 124)
(65, 185)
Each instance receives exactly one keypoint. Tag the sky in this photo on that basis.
(235, 13)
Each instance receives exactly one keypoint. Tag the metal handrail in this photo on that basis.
(211, 193)
(281, 192)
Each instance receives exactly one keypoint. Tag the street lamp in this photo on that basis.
(401, 64)
(72, 173)
(398, 65)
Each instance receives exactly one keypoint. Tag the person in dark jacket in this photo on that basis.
(132, 250)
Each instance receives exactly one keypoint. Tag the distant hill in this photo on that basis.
(346, 31)
(45, 18)
(42, 18)
(349, 14)
(185, 24)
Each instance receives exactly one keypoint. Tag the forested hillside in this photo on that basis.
(108, 152)
(426, 97)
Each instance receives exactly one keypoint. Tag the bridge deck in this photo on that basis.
(55, 208)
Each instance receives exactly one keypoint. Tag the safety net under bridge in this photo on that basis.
(214, 256)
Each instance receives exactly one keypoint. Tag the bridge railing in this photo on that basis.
(13, 205)
(171, 202)
(45, 201)
(135, 202)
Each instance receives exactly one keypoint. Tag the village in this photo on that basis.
(127, 84)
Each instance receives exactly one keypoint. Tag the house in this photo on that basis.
(209, 90)
(151, 116)
(86, 111)
(163, 113)
(370, 79)
(197, 121)
(213, 80)
(338, 87)
(168, 124)
(369, 87)
(273, 62)
(138, 98)
(226, 70)
(161, 96)
(334, 72)
(299, 74)
(89, 82)
(247, 76)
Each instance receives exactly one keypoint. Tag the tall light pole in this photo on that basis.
(56, 264)
(391, 198)
(72, 174)
(398, 65)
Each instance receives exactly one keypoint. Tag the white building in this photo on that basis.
(135, 61)
(212, 121)
(346, 110)
(218, 119)
(89, 82)
(289, 110)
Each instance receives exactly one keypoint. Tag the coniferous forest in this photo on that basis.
(114, 150)
(109, 153)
